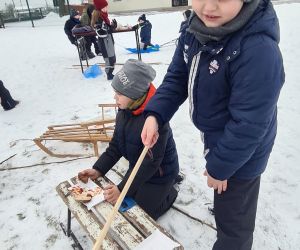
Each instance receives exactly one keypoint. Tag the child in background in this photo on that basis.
(104, 27)
(229, 65)
(152, 187)
(145, 34)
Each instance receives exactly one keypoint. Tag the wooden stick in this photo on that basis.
(111, 216)
(8, 158)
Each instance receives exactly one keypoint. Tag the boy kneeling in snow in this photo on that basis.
(152, 187)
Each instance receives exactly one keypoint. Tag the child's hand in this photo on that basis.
(215, 184)
(88, 173)
(150, 132)
(111, 194)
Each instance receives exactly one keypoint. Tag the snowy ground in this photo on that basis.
(35, 65)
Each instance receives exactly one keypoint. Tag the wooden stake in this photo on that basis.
(111, 216)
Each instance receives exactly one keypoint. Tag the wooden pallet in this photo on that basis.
(128, 229)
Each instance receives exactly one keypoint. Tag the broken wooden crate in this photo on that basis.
(99, 130)
(127, 231)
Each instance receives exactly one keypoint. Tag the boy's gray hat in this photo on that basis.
(134, 79)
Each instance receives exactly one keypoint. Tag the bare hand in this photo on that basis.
(215, 184)
(150, 132)
(111, 194)
(84, 175)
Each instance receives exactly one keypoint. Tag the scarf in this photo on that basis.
(104, 17)
(205, 34)
(137, 107)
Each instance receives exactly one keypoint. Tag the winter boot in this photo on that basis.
(110, 75)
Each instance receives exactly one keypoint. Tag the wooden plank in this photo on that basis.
(86, 218)
(139, 218)
(121, 230)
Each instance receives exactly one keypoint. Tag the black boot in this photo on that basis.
(110, 75)
(9, 106)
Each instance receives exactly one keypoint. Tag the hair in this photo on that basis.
(95, 17)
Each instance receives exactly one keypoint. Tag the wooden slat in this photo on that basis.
(86, 218)
(139, 218)
(121, 230)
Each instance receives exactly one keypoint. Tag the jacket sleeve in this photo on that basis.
(256, 78)
(174, 89)
(109, 158)
(68, 31)
(150, 164)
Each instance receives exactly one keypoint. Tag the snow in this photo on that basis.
(36, 66)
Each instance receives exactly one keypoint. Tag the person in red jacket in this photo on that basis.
(101, 23)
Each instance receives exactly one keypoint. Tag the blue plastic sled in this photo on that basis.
(151, 49)
(92, 71)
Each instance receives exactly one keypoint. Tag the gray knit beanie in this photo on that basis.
(134, 79)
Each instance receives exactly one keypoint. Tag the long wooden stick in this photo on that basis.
(111, 216)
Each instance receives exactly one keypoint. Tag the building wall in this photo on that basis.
(135, 5)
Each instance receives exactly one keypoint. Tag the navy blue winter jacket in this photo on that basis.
(233, 87)
(69, 25)
(146, 32)
(160, 166)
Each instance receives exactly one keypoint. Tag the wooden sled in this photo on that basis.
(100, 130)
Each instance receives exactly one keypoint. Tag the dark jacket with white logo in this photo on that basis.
(160, 164)
(233, 87)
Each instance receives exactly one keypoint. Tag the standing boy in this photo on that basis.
(145, 34)
(152, 187)
(229, 65)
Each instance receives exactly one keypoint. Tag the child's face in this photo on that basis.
(215, 13)
(122, 101)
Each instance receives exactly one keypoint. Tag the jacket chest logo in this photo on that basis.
(213, 67)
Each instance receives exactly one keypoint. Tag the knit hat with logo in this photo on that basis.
(134, 79)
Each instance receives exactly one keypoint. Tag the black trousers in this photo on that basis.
(156, 199)
(92, 40)
(7, 102)
(235, 212)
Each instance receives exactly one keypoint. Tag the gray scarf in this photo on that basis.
(205, 34)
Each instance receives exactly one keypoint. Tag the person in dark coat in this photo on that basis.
(104, 28)
(7, 102)
(229, 65)
(152, 188)
(69, 25)
(145, 33)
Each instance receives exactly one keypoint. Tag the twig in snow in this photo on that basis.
(8, 158)
(46, 163)
(194, 218)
